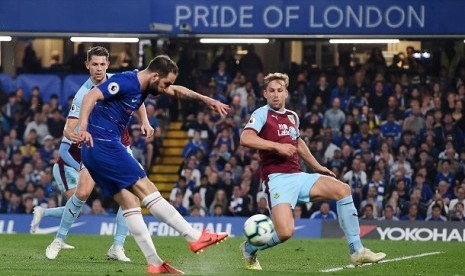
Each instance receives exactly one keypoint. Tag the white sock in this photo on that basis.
(165, 212)
(138, 229)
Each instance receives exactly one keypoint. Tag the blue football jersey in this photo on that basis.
(122, 96)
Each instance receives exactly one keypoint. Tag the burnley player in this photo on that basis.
(117, 173)
(74, 182)
(274, 131)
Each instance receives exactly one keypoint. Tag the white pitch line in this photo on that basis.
(383, 261)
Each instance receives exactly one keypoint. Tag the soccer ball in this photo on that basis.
(258, 229)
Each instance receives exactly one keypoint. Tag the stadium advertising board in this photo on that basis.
(105, 225)
(266, 17)
(402, 230)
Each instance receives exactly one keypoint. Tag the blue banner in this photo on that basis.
(105, 225)
(262, 17)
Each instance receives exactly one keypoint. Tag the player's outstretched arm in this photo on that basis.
(88, 103)
(183, 92)
(250, 139)
(309, 159)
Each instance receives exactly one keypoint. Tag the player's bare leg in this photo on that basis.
(329, 188)
(165, 212)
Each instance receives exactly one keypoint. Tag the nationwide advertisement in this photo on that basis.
(105, 225)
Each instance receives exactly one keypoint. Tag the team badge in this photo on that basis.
(113, 88)
(291, 119)
(252, 121)
(293, 133)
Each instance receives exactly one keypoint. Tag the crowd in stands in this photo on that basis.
(394, 133)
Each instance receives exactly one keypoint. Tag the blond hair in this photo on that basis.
(276, 76)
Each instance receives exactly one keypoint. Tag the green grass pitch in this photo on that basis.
(25, 255)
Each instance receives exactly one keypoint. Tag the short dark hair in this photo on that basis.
(97, 51)
(163, 65)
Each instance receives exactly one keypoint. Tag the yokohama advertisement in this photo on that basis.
(402, 231)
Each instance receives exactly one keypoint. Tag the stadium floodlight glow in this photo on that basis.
(363, 41)
(5, 38)
(234, 40)
(105, 39)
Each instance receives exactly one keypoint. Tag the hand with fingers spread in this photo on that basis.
(326, 171)
(218, 107)
(147, 130)
(287, 150)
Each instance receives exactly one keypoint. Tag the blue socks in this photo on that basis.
(348, 220)
(252, 249)
(121, 229)
(56, 212)
(70, 214)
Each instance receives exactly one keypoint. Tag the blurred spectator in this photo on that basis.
(97, 208)
(238, 89)
(56, 124)
(222, 77)
(127, 59)
(218, 211)
(194, 171)
(76, 62)
(195, 145)
(368, 213)
(321, 91)
(14, 204)
(197, 208)
(412, 214)
(436, 214)
(460, 197)
(357, 179)
(444, 174)
(31, 63)
(334, 117)
(39, 126)
(341, 91)
(297, 212)
(262, 207)
(392, 107)
(251, 64)
(220, 200)
(389, 214)
(238, 204)
(181, 188)
(46, 151)
(206, 191)
(178, 203)
(324, 213)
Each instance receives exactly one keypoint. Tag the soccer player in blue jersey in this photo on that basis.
(117, 173)
(77, 184)
(274, 131)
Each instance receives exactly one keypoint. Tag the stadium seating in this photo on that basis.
(6, 81)
(48, 84)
